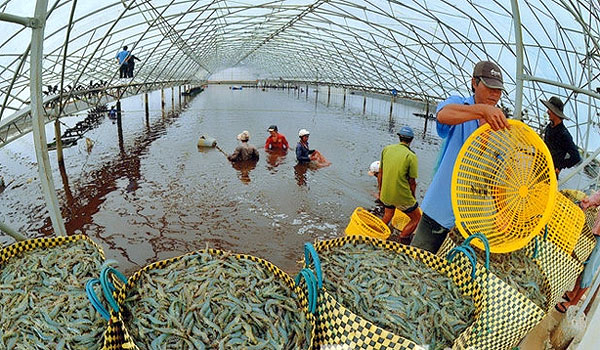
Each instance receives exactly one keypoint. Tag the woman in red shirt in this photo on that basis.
(276, 141)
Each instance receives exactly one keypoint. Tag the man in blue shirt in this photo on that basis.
(457, 118)
(122, 57)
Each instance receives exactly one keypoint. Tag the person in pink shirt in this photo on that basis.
(276, 141)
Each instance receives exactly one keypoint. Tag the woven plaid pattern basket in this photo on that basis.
(117, 336)
(502, 317)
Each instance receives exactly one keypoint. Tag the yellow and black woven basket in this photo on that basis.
(14, 249)
(503, 316)
(559, 270)
(117, 336)
(586, 242)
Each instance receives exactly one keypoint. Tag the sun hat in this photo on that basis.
(490, 74)
(555, 105)
(303, 132)
(406, 131)
(272, 128)
(244, 136)
(374, 168)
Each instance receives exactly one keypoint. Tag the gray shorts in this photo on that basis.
(429, 235)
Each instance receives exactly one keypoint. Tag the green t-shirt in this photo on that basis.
(399, 164)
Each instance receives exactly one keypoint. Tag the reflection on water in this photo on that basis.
(146, 191)
(244, 168)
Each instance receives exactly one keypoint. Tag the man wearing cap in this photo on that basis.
(456, 118)
(398, 170)
(276, 141)
(558, 139)
(245, 151)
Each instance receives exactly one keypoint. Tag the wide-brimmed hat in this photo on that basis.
(490, 74)
(244, 136)
(303, 132)
(555, 105)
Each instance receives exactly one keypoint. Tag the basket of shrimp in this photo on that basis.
(44, 303)
(384, 295)
(541, 271)
(209, 299)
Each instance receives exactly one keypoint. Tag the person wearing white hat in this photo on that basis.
(245, 151)
(374, 168)
(304, 154)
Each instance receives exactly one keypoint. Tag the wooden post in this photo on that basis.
(328, 94)
(58, 137)
(364, 103)
(306, 91)
(162, 101)
(120, 127)
(344, 100)
(146, 109)
(173, 99)
(426, 118)
(391, 106)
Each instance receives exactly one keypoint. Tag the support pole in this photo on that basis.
(146, 109)
(120, 127)
(59, 148)
(518, 114)
(391, 106)
(306, 92)
(179, 96)
(317, 95)
(328, 94)
(344, 100)
(364, 103)
(37, 112)
(9, 231)
(162, 101)
(173, 99)
(426, 118)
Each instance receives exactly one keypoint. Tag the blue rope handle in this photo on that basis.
(486, 246)
(309, 251)
(536, 249)
(546, 232)
(311, 285)
(93, 298)
(108, 288)
(465, 251)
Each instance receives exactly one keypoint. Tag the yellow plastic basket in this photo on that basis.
(363, 223)
(504, 186)
(400, 219)
(565, 224)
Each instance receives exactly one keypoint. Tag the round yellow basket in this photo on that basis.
(504, 186)
(400, 219)
(363, 223)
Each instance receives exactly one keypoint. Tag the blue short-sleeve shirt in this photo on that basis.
(437, 203)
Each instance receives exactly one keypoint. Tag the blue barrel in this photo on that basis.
(206, 141)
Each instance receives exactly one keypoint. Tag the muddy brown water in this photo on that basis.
(157, 195)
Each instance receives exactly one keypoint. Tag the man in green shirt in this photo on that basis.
(398, 171)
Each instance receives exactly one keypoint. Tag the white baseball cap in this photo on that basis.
(303, 132)
(374, 168)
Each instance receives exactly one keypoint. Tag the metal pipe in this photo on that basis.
(519, 58)
(579, 167)
(26, 21)
(9, 231)
(562, 85)
(37, 113)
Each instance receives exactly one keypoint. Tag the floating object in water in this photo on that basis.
(206, 141)
(89, 144)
